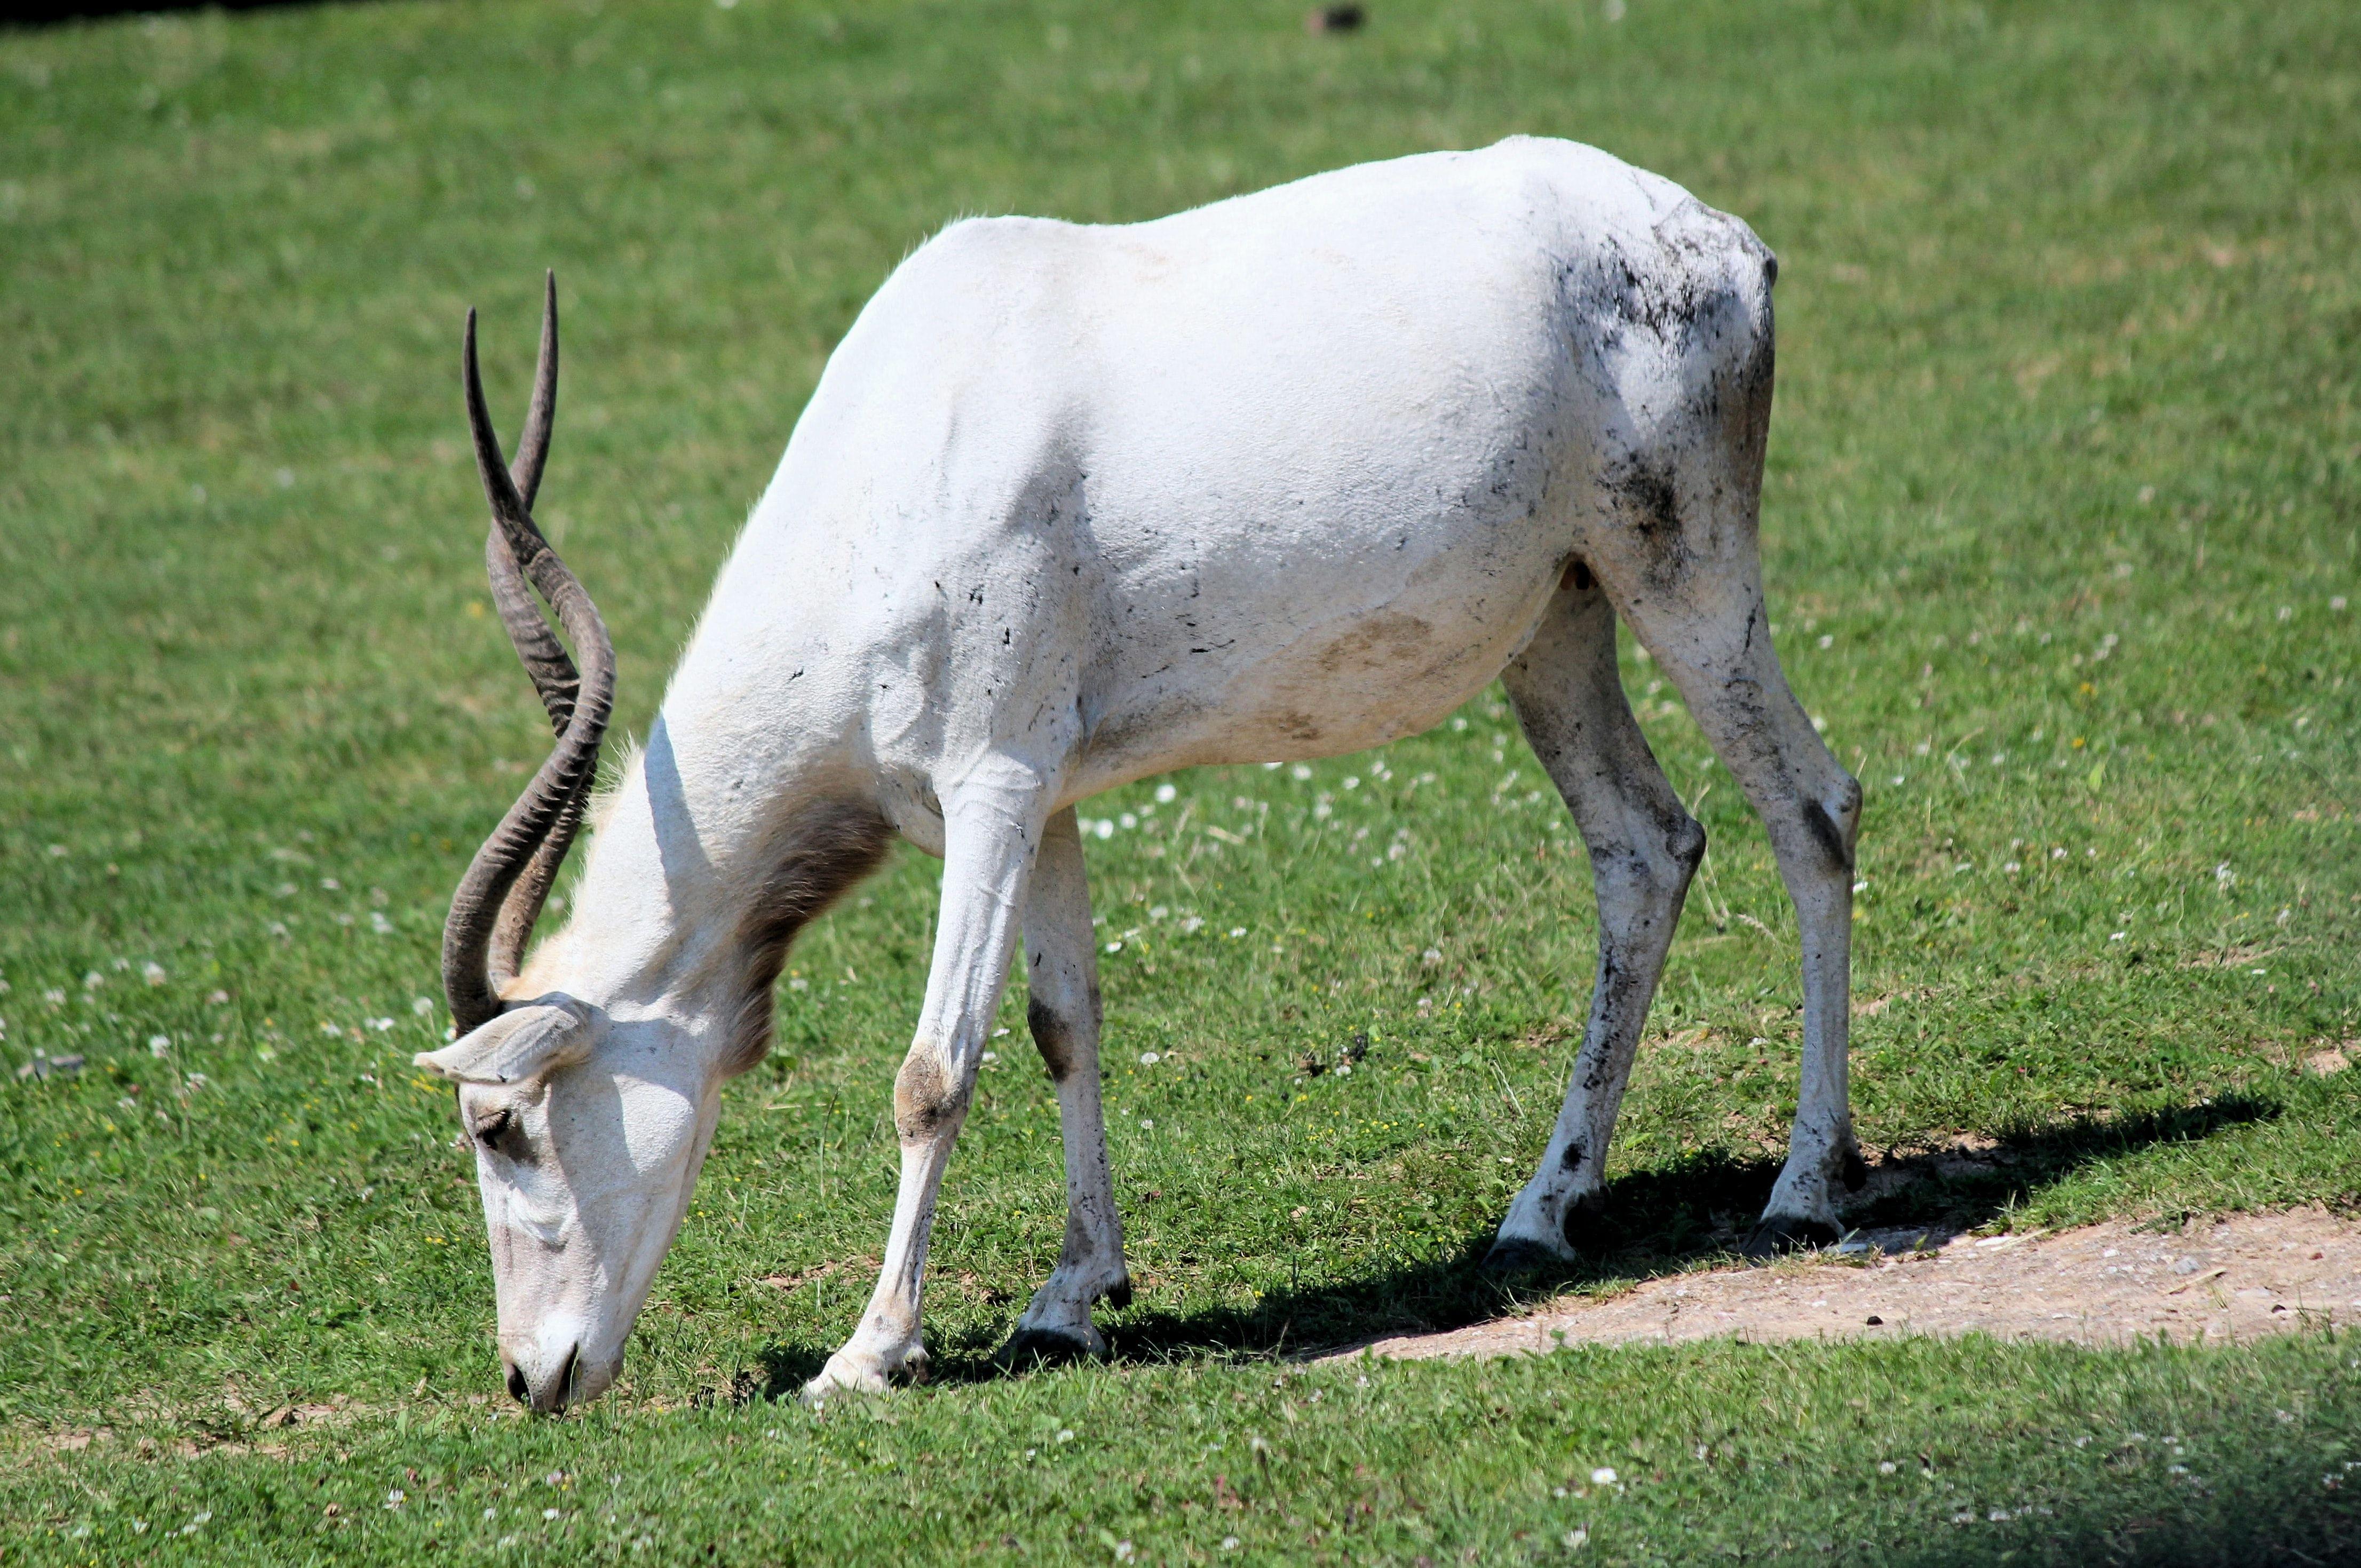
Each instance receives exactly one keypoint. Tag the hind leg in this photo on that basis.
(1643, 848)
(1062, 974)
(1727, 671)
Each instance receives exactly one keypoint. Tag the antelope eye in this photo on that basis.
(490, 1130)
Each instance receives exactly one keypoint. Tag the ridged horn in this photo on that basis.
(493, 911)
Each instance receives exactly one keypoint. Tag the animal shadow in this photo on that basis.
(1653, 1223)
(1663, 1222)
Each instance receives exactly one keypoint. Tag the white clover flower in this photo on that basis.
(422, 1005)
(1166, 794)
(1603, 1476)
(380, 1025)
(158, 1045)
(1149, 1059)
(152, 972)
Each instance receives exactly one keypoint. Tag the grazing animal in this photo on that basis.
(1289, 476)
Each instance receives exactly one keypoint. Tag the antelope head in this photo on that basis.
(588, 1127)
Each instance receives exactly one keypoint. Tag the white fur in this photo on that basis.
(1286, 476)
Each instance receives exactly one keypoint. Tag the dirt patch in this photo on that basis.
(2212, 1282)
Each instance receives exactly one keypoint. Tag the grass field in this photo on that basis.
(2063, 519)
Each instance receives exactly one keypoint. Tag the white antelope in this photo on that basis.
(1285, 476)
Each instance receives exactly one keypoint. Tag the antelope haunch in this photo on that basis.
(1289, 476)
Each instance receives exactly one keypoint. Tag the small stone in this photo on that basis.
(1873, 1321)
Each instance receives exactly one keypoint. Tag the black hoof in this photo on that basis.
(1034, 1347)
(1777, 1233)
(1518, 1256)
(1118, 1295)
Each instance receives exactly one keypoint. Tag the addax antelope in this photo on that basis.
(1285, 476)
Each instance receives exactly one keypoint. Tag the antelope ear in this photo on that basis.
(526, 1043)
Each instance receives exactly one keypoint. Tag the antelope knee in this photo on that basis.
(1685, 843)
(1834, 821)
(929, 1097)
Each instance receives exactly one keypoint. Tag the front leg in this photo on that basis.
(989, 838)
(1062, 974)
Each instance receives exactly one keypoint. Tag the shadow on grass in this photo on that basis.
(1653, 1223)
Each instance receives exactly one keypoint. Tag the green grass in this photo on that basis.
(2063, 475)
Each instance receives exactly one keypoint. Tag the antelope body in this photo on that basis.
(1281, 478)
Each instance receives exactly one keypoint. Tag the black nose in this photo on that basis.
(518, 1390)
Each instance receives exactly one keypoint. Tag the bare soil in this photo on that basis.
(2209, 1282)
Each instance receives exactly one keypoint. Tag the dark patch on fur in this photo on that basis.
(1649, 498)
(826, 849)
(1830, 837)
(1685, 841)
(1571, 1161)
(1051, 1035)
